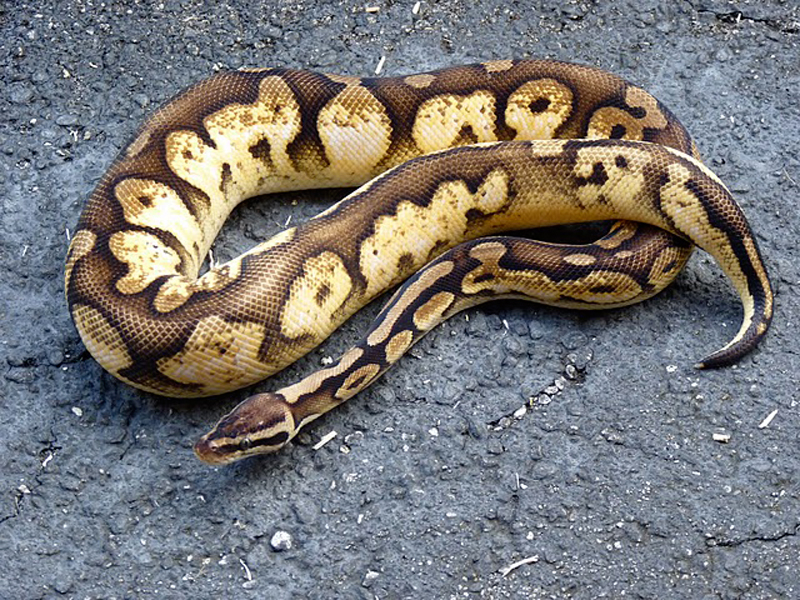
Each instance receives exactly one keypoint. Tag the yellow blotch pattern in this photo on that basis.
(430, 314)
(148, 203)
(397, 346)
(441, 120)
(315, 297)
(314, 381)
(269, 125)
(497, 66)
(219, 355)
(146, 256)
(416, 230)
(419, 81)
(410, 294)
(357, 381)
(622, 184)
(604, 120)
(356, 133)
(530, 124)
(580, 259)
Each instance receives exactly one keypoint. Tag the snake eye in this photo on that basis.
(246, 443)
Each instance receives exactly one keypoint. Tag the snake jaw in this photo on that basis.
(262, 424)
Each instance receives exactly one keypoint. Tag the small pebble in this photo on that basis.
(571, 372)
(281, 540)
(20, 93)
(369, 578)
(574, 340)
(66, 120)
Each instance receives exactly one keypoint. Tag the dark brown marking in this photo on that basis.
(617, 132)
(405, 263)
(539, 105)
(602, 289)
(637, 112)
(669, 266)
(355, 383)
(145, 200)
(467, 135)
(226, 177)
(323, 293)
(439, 247)
(306, 150)
(483, 277)
(598, 177)
(261, 150)
(621, 161)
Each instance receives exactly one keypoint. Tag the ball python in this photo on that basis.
(444, 159)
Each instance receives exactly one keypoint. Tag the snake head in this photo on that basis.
(260, 425)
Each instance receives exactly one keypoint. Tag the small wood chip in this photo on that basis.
(768, 419)
(525, 561)
(247, 574)
(372, 9)
(722, 438)
(325, 439)
(415, 10)
(379, 68)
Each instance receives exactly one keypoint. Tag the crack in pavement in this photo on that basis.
(733, 543)
(573, 373)
(46, 454)
(784, 23)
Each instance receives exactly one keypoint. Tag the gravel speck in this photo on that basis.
(280, 541)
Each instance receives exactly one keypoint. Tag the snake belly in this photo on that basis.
(131, 277)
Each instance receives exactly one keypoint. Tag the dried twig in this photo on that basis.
(525, 561)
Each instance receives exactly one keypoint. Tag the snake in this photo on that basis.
(447, 161)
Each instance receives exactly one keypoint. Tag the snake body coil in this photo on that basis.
(438, 150)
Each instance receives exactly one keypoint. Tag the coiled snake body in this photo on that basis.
(481, 149)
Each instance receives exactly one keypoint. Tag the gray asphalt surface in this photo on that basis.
(612, 484)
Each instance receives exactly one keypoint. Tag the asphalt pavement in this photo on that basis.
(629, 475)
